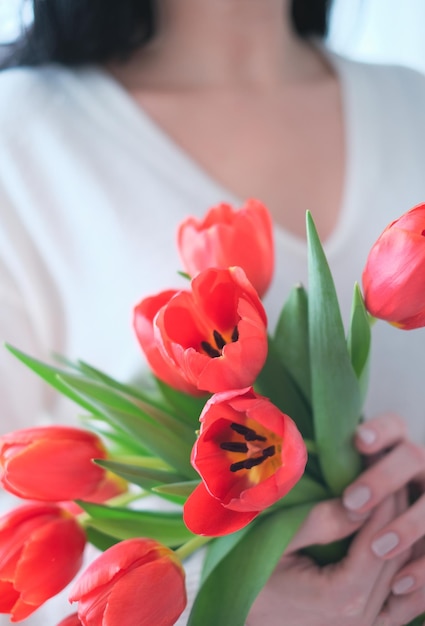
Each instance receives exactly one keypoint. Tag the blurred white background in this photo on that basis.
(391, 31)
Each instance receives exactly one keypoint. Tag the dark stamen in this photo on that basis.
(235, 334)
(248, 433)
(234, 446)
(219, 341)
(208, 348)
(253, 461)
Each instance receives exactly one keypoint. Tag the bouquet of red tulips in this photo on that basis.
(240, 432)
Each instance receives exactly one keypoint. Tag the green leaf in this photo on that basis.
(291, 339)
(100, 540)
(306, 490)
(231, 587)
(186, 406)
(359, 340)
(145, 477)
(336, 397)
(122, 523)
(276, 383)
(163, 441)
(177, 492)
(218, 549)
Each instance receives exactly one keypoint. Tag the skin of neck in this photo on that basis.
(226, 44)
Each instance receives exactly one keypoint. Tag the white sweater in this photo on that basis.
(91, 191)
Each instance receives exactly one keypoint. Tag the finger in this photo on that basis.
(393, 471)
(380, 433)
(403, 609)
(402, 533)
(411, 577)
(328, 521)
(361, 576)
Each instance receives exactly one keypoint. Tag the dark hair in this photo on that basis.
(74, 32)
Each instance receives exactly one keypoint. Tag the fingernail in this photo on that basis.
(355, 498)
(367, 435)
(385, 544)
(403, 585)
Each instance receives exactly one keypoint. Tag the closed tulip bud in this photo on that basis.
(51, 463)
(249, 455)
(135, 582)
(394, 275)
(41, 548)
(228, 237)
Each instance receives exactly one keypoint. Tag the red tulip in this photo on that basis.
(249, 455)
(71, 620)
(215, 336)
(51, 463)
(41, 548)
(227, 237)
(143, 322)
(394, 275)
(137, 582)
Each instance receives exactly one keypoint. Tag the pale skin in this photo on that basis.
(232, 72)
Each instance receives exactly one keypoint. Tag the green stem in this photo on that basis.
(191, 546)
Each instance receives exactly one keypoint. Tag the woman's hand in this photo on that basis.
(349, 593)
(402, 465)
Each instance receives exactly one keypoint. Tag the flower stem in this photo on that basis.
(191, 546)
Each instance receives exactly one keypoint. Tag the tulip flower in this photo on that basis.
(41, 548)
(214, 336)
(51, 463)
(249, 455)
(137, 582)
(71, 620)
(394, 275)
(228, 237)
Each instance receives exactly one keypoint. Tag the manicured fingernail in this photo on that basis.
(355, 498)
(403, 585)
(366, 435)
(385, 544)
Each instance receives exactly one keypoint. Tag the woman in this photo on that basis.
(159, 110)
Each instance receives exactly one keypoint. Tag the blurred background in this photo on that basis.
(387, 31)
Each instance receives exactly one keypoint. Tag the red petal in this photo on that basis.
(204, 515)
(153, 593)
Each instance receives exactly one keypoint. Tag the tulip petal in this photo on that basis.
(151, 594)
(59, 545)
(8, 596)
(205, 515)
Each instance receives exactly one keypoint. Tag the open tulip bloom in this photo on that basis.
(238, 429)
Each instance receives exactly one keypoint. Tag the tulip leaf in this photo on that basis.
(336, 397)
(291, 339)
(178, 492)
(231, 587)
(218, 549)
(102, 541)
(145, 477)
(122, 523)
(275, 382)
(50, 374)
(359, 340)
(189, 407)
(161, 441)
